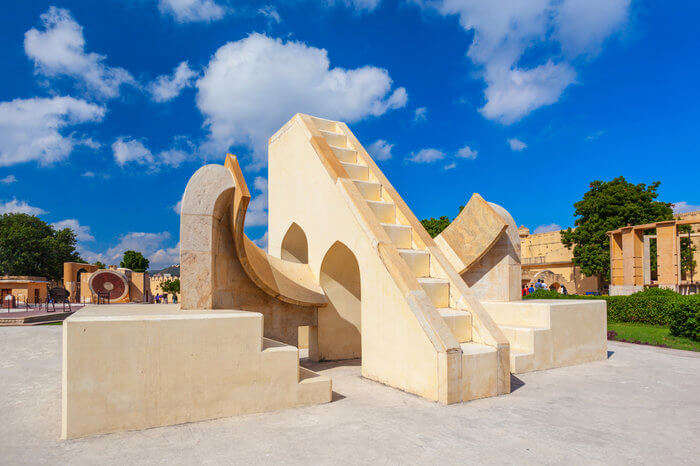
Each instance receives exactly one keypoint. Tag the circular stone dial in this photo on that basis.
(108, 281)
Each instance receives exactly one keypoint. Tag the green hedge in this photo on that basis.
(685, 319)
(652, 306)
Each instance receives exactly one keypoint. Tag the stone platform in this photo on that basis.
(139, 366)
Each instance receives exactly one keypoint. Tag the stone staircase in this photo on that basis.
(476, 356)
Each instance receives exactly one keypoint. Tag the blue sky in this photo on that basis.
(105, 112)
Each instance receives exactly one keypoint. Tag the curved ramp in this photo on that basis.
(287, 281)
(472, 234)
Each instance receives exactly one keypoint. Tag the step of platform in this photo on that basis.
(370, 191)
(479, 371)
(418, 261)
(385, 211)
(459, 322)
(335, 139)
(345, 155)
(356, 171)
(400, 234)
(437, 289)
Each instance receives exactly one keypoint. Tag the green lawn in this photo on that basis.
(650, 334)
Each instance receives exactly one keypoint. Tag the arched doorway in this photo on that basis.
(295, 248)
(78, 277)
(339, 331)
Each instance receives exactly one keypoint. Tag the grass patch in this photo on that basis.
(655, 335)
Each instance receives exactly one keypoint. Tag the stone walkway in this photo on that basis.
(641, 406)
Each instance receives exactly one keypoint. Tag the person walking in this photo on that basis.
(563, 290)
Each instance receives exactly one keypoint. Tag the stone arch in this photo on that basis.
(295, 247)
(339, 323)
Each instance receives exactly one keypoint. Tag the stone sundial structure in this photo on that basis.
(349, 266)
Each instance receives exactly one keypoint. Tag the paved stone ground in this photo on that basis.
(642, 405)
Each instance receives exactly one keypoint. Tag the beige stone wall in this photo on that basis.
(395, 350)
(544, 252)
(154, 286)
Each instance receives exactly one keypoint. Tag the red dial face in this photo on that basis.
(109, 282)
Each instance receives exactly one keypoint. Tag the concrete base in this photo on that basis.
(138, 366)
(547, 333)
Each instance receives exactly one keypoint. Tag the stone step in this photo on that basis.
(326, 125)
(400, 234)
(356, 171)
(437, 289)
(521, 361)
(335, 139)
(418, 261)
(459, 322)
(385, 211)
(479, 371)
(344, 154)
(523, 338)
(370, 190)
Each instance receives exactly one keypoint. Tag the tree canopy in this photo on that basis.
(606, 206)
(30, 246)
(434, 226)
(171, 286)
(135, 261)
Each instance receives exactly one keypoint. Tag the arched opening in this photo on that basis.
(295, 248)
(339, 331)
(77, 284)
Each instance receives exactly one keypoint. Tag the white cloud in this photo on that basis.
(467, 152)
(683, 207)
(30, 128)
(380, 150)
(82, 232)
(262, 241)
(505, 31)
(449, 166)
(547, 228)
(9, 179)
(59, 50)
(89, 174)
(583, 25)
(361, 6)
(252, 86)
(513, 93)
(167, 87)
(270, 12)
(19, 207)
(257, 209)
(178, 207)
(152, 245)
(420, 114)
(427, 156)
(128, 150)
(191, 11)
(164, 257)
(516, 144)
(594, 136)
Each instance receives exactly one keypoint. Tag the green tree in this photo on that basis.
(434, 226)
(99, 264)
(135, 261)
(606, 206)
(171, 286)
(30, 246)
